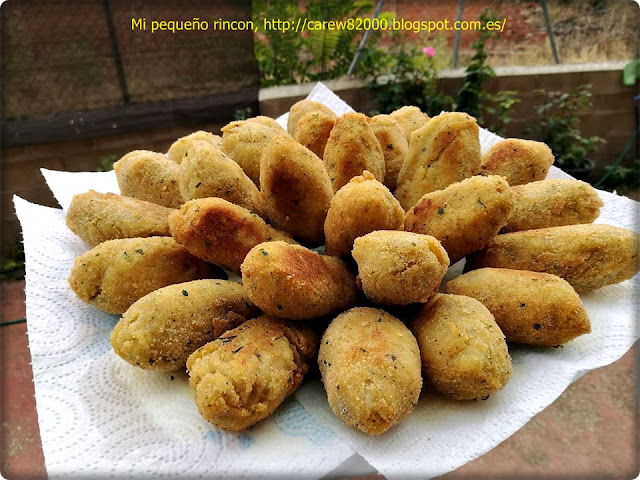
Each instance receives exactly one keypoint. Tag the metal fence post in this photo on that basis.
(116, 51)
(547, 24)
(456, 35)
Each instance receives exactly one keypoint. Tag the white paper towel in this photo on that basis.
(98, 415)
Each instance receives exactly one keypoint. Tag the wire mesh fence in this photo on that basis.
(66, 56)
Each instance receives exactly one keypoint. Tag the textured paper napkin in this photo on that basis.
(98, 415)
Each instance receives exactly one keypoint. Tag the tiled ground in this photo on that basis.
(590, 431)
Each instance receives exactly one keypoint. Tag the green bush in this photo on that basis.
(559, 127)
(296, 57)
(473, 98)
(407, 75)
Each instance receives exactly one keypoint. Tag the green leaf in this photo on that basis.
(630, 73)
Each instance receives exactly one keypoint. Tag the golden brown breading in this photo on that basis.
(301, 108)
(587, 256)
(464, 353)
(270, 123)
(296, 189)
(179, 147)
(244, 142)
(362, 206)
(410, 119)
(219, 231)
(465, 215)
(207, 172)
(370, 367)
(394, 147)
(116, 273)
(293, 282)
(444, 151)
(351, 149)
(313, 131)
(98, 217)
(149, 176)
(519, 161)
(161, 330)
(243, 376)
(552, 203)
(399, 268)
(530, 307)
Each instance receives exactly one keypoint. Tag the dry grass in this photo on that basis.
(583, 34)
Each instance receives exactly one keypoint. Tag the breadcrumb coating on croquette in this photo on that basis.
(445, 150)
(180, 146)
(244, 142)
(410, 119)
(116, 273)
(98, 217)
(149, 176)
(161, 330)
(313, 131)
(463, 216)
(351, 149)
(551, 203)
(362, 206)
(587, 256)
(519, 161)
(301, 108)
(463, 351)
(220, 232)
(296, 189)
(244, 375)
(531, 308)
(394, 147)
(399, 268)
(207, 172)
(293, 282)
(268, 122)
(370, 366)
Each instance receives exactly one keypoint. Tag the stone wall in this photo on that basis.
(611, 117)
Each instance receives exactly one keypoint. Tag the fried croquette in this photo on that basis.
(270, 123)
(531, 308)
(116, 273)
(394, 147)
(587, 256)
(464, 353)
(161, 330)
(207, 172)
(296, 189)
(370, 366)
(179, 147)
(244, 375)
(301, 108)
(552, 203)
(351, 149)
(445, 150)
(98, 217)
(518, 161)
(465, 215)
(293, 282)
(244, 142)
(362, 206)
(399, 268)
(410, 119)
(219, 231)
(149, 176)
(314, 129)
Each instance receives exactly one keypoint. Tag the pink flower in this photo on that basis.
(429, 51)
